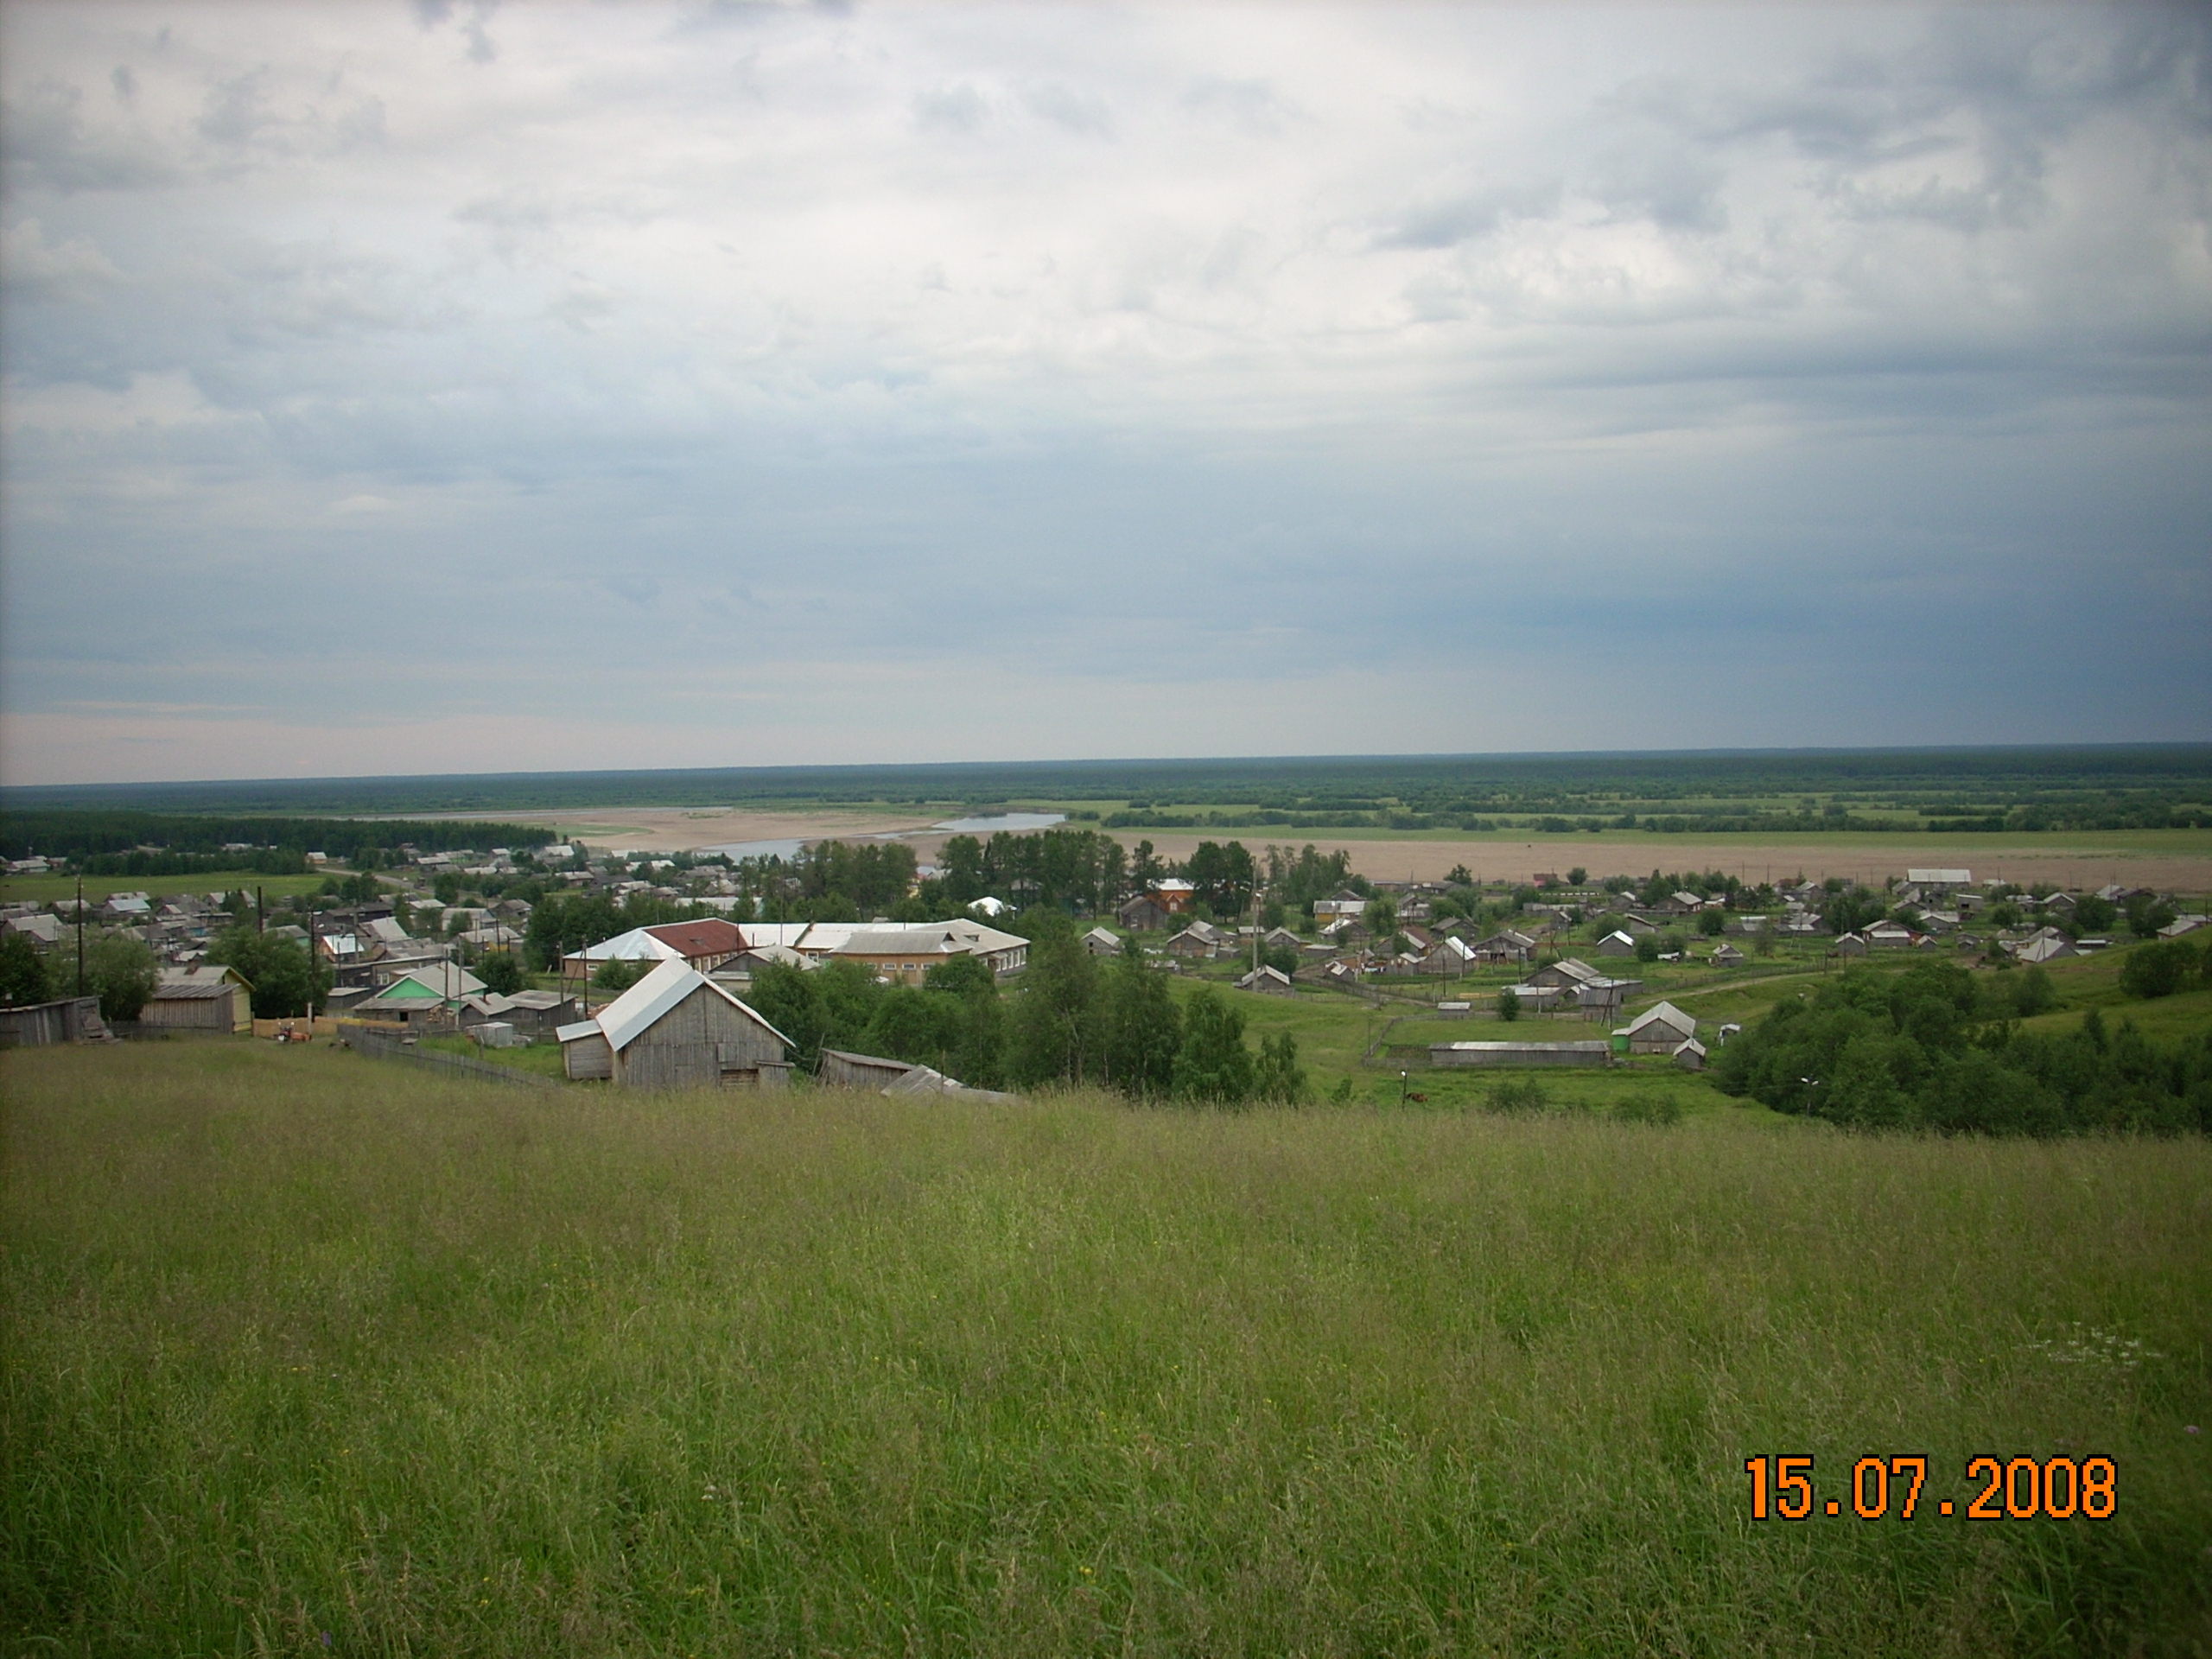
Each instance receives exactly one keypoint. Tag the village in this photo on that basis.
(429, 947)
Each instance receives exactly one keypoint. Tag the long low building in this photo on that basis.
(1493, 1054)
(897, 950)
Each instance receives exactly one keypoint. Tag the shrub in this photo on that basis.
(1508, 1005)
(2158, 970)
(1516, 1095)
(501, 972)
(122, 971)
(24, 975)
(619, 976)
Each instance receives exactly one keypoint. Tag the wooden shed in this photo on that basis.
(1658, 1030)
(40, 1025)
(843, 1070)
(198, 1003)
(677, 1029)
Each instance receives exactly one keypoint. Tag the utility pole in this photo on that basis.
(81, 936)
(260, 911)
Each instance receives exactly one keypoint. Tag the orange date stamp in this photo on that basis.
(1995, 1488)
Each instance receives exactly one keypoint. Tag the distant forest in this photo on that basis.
(2106, 787)
(113, 842)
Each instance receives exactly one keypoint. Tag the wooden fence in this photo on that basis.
(382, 1045)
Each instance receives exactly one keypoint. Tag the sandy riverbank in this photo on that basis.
(2030, 859)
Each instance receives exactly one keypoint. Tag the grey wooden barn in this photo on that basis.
(677, 1029)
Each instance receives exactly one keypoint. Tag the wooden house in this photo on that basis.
(1199, 942)
(1143, 914)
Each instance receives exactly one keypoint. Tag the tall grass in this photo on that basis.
(305, 1353)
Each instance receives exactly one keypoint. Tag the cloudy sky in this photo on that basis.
(472, 387)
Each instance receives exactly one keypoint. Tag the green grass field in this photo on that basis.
(307, 1353)
(45, 889)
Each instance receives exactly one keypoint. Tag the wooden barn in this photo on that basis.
(1659, 1030)
(201, 998)
(677, 1029)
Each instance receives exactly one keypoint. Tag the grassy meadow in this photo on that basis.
(48, 889)
(305, 1352)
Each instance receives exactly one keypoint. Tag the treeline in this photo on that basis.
(2089, 786)
(103, 842)
(1932, 1048)
(1071, 1020)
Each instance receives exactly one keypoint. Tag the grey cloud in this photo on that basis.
(1060, 104)
(237, 111)
(1677, 189)
(475, 15)
(73, 271)
(957, 109)
(1467, 216)
(50, 145)
(1254, 105)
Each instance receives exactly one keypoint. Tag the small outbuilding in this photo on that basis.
(1691, 1056)
(1270, 982)
(200, 999)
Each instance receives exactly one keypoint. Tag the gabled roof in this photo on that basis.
(1579, 970)
(639, 944)
(630, 1014)
(206, 974)
(446, 980)
(1666, 1013)
(708, 936)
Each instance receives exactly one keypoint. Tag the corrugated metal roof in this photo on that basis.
(630, 1014)
(1666, 1011)
(639, 944)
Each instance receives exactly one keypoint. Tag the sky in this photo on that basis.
(471, 387)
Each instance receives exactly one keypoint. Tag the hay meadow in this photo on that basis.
(305, 1353)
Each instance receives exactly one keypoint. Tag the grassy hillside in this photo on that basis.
(302, 1352)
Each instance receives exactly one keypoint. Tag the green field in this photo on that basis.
(45, 889)
(307, 1353)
